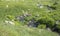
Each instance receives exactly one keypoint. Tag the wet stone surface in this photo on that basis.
(22, 17)
(33, 23)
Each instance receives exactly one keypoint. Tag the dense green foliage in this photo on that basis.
(45, 15)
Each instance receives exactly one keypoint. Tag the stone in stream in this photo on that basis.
(33, 23)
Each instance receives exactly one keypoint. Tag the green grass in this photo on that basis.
(15, 9)
(9, 30)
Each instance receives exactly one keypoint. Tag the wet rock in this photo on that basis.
(31, 23)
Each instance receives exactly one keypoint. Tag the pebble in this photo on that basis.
(9, 22)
